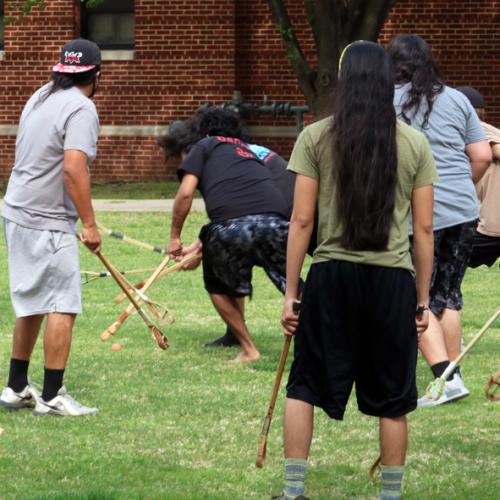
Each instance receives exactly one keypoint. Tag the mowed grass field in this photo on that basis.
(184, 424)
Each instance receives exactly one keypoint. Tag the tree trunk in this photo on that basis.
(335, 24)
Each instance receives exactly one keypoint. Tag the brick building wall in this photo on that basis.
(188, 53)
(464, 36)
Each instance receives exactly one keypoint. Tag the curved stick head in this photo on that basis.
(435, 389)
(374, 469)
(160, 338)
(492, 386)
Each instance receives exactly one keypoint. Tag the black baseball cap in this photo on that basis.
(474, 96)
(78, 56)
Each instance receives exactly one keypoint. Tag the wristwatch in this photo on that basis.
(420, 309)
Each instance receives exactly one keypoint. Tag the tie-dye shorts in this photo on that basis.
(233, 247)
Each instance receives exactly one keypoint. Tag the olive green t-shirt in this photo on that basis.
(312, 156)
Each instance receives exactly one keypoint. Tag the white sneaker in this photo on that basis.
(13, 400)
(454, 390)
(63, 405)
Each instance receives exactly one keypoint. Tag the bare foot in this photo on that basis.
(244, 357)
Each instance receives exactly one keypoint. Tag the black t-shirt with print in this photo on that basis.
(232, 180)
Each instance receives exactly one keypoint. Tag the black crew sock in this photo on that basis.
(439, 368)
(18, 374)
(52, 382)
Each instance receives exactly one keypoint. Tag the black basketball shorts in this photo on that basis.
(357, 326)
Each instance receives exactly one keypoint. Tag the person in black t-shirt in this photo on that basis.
(178, 142)
(248, 219)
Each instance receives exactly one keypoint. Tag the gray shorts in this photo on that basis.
(44, 271)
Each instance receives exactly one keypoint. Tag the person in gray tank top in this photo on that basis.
(49, 188)
(462, 155)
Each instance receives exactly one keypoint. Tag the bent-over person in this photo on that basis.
(247, 212)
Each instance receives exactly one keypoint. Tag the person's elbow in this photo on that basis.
(480, 156)
(74, 167)
(70, 177)
(484, 157)
(301, 220)
(184, 195)
(422, 229)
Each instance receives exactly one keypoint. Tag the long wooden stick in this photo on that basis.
(103, 274)
(141, 284)
(160, 338)
(91, 276)
(261, 453)
(111, 330)
(132, 241)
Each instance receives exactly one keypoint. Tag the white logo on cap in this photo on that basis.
(72, 57)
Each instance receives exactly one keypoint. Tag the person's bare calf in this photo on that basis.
(25, 334)
(57, 339)
(452, 329)
(230, 310)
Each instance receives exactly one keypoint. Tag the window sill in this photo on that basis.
(117, 55)
(2, 55)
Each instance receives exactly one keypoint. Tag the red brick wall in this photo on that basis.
(188, 53)
(184, 56)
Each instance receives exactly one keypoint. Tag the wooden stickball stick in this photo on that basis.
(111, 330)
(159, 337)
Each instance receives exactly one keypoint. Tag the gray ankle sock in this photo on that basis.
(295, 473)
(392, 479)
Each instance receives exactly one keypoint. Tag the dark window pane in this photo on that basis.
(111, 28)
(111, 24)
(1, 24)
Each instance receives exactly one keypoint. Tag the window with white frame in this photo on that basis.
(110, 24)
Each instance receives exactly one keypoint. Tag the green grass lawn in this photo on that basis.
(128, 190)
(135, 190)
(184, 424)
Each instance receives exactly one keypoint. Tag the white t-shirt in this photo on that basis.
(36, 196)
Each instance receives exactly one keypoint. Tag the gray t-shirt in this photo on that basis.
(36, 196)
(453, 124)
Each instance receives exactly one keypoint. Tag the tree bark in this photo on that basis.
(294, 51)
(334, 24)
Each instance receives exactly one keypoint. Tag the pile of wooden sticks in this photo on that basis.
(136, 293)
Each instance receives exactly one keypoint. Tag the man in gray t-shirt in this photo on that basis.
(62, 121)
(48, 190)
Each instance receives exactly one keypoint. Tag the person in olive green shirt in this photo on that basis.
(363, 305)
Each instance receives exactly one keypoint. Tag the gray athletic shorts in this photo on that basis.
(44, 271)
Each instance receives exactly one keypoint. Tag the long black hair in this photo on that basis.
(209, 121)
(413, 62)
(364, 147)
(64, 81)
(182, 135)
